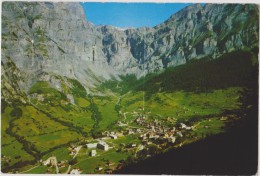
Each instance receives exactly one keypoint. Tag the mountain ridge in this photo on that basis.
(56, 39)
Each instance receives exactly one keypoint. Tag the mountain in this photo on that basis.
(66, 83)
(44, 40)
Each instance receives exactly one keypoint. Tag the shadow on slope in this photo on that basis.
(237, 68)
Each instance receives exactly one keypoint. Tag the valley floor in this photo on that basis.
(139, 133)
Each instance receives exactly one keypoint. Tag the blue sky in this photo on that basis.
(130, 14)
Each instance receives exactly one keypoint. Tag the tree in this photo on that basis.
(3, 105)
(143, 153)
(73, 161)
(130, 159)
(153, 149)
(16, 112)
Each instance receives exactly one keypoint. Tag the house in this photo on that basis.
(173, 129)
(183, 125)
(75, 171)
(73, 152)
(105, 133)
(108, 171)
(130, 132)
(133, 145)
(179, 134)
(109, 163)
(99, 168)
(50, 161)
(45, 163)
(72, 146)
(151, 135)
(91, 145)
(102, 145)
(223, 118)
(138, 130)
(143, 137)
(188, 128)
(137, 120)
(53, 161)
(119, 167)
(93, 153)
(113, 136)
(64, 161)
(62, 165)
(130, 146)
(154, 137)
(121, 124)
(153, 128)
(166, 135)
(171, 139)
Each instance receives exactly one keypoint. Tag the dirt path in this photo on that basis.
(67, 172)
(29, 169)
(77, 151)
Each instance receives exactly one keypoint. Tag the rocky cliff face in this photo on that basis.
(52, 38)
(43, 40)
(193, 32)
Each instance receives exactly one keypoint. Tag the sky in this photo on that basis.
(125, 15)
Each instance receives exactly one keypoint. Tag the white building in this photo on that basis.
(75, 171)
(102, 145)
(91, 145)
(183, 126)
(133, 145)
(179, 134)
(113, 136)
(93, 153)
(52, 161)
(172, 139)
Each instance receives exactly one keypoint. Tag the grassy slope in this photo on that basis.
(10, 146)
(106, 106)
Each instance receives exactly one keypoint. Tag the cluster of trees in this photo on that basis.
(127, 83)
(16, 112)
(96, 116)
(52, 96)
(4, 104)
(17, 165)
(231, 69)
(73, 161)
(77, 89)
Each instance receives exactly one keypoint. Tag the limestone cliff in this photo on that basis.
(43, 39)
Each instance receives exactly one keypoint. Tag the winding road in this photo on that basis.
(77, 151)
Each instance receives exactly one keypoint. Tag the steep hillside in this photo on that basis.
(237, 69)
